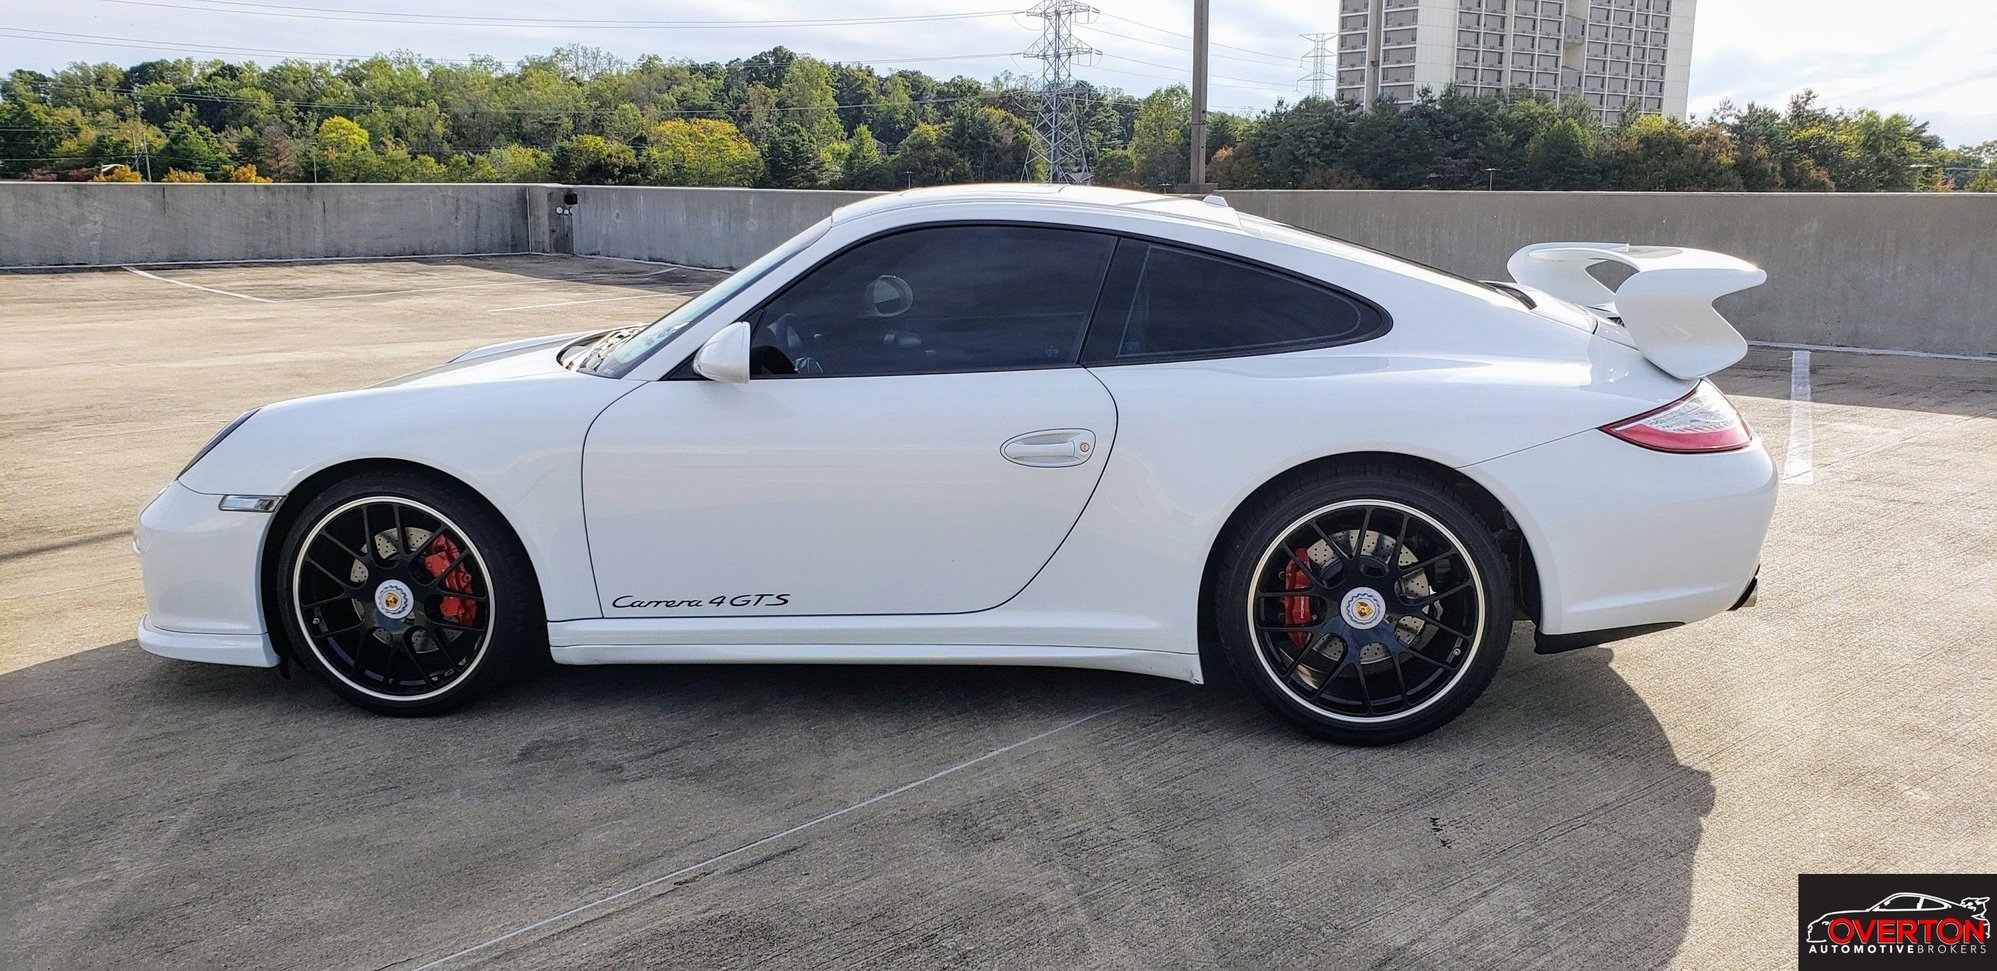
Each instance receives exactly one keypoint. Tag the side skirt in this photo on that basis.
(1179, 667)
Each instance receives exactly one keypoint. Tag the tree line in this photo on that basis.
(784, 119)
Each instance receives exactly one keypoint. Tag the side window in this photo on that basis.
(948, 298)
(1188, 304)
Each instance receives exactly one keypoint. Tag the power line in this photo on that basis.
(1174, 67)
(1259, 89)
(61, 37)
(1184, 48)
(56, 36)
(453, 20)
(1282, 58)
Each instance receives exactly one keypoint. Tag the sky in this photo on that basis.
(1933, 59)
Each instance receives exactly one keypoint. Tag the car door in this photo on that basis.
(916, 437)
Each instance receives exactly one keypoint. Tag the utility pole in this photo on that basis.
(1059, 124)
(1320, 52)
(1199, 139)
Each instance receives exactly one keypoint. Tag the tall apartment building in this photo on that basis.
(1615, 53)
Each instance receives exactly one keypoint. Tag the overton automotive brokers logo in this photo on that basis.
(1883, 920)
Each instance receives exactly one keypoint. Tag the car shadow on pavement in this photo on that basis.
(184, 814)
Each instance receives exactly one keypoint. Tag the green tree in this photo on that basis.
(519, 163)
(863, 167)
(924, 160)
(995, 144)
(340, 135)
(593, 160)
(1161, 142)
(792, 160)
(1388, 147)
(1563, 155)
(1658, 154)
(808, 101)
(699, 151)
(195, 149)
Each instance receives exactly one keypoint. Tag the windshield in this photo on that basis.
(630, 352)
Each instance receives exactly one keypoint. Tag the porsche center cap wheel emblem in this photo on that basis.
(394, 600)
(1363, 608)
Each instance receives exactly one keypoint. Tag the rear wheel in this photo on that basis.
(406, 595)
(1367, 606)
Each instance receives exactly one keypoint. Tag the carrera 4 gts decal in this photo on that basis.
(628, 602)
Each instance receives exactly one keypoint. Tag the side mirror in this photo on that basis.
(725, 356)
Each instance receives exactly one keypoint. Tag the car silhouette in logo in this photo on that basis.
(1935, 918)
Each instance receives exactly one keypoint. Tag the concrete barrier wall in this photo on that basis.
(84, 223)
(1913, 271)
(697, 227)
(1896, 271)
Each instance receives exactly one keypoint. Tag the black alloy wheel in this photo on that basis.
(1368, 608)
(400, 606)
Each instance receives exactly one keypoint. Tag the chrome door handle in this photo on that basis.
(1051, 449)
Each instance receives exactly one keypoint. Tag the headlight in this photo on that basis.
(217, 440)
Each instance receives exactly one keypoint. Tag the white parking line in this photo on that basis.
(571, 303)
(1790, 346)
(392, 293)
(794, 830)
(1797, 467)
(196, 286)
(628, 259)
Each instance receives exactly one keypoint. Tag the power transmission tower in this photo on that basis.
(1059, 122)
(1319, 53)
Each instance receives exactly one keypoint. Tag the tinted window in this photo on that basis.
(951, 298)
(1188, 304)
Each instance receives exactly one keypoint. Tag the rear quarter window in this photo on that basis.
(1188, 304)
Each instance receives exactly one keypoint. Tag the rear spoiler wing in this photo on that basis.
(1666, 305)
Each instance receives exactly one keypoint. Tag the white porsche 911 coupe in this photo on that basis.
(1009, 425)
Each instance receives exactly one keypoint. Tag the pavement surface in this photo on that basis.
(1647, 804)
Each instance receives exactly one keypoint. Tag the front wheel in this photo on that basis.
(1368, 606)
(407, 596)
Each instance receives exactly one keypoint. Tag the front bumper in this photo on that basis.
(1625, 537)
(249, 650)
(200, 565)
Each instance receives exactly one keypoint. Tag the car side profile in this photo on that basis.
(1041, 425)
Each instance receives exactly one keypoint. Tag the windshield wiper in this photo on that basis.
(594, 357)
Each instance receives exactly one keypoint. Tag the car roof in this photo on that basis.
(1210, 213)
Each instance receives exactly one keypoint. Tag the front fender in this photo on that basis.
(514, 435)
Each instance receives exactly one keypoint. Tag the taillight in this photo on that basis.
(1703, 421)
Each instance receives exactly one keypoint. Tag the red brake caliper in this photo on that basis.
(457, 610)
(1297, 610)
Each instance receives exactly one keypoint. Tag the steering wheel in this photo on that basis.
(781, 335)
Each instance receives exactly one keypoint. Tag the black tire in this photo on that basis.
(1289, 612)
(438, 609)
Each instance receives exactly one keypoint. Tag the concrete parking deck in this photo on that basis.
(1641, 805)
